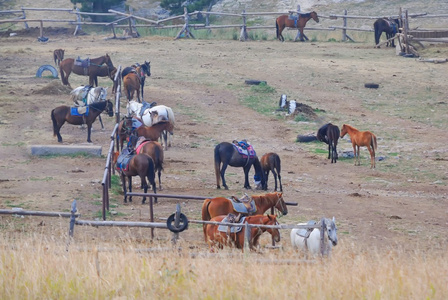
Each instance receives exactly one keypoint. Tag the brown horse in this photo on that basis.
(67, 66)
(155, 151)
(58, 56)
(62, 114)
(214, 237)
(153, 132)
(271, 162)
(361, 138)
(103, 71)
(140, 165)
(222, 206)
(125, 129)
(131, 84)
(299, 22)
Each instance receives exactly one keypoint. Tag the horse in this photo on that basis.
(361, 138)
(329, 134)
(153, 132)
(131, 84)
(151, 116)
(299, 22)
(140, 165)
(227, 155)
(214, 237)
(271, 162)
(142, 70)
(62, 114)
(86, 95)
(155, 151)
(125, 129)
(389, 26)
(309, 239)
(91, 68)
(58, 56)
(103, 71)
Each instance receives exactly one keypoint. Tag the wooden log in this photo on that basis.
(135, 17)
(350, 28)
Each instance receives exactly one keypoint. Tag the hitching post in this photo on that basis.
(72, 224)
(176, 224)
(322, 232)
(246, 237)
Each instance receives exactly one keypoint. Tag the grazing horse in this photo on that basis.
(58, 56)
(131, 84)
(62, 114)
(299, 22)
(271, 162)
(215, 237)
(309, 239)
(155, 151)
(140, 165)
(389, 26)
(91, 68)
(153, 132)
(329, 134)
(361, 138)
(228, 155)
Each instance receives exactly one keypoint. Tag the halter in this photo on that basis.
(279, 201)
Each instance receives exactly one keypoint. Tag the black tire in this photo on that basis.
(372, 85)
(306, 138)
(254, 82)
(183, 224)
(50, 68)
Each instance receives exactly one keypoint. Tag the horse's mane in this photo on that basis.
(306, 15)
(262, 198)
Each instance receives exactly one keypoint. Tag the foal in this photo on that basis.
(271, 162)
(361, 138)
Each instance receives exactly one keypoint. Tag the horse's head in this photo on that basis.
(133, 107)
(332, 231)
(108, 61)
(272, 220)
(146, 67)
(109, 108)
(343, 130)
(280, 204)
(314, 16)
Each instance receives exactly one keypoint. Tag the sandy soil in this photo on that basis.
(403, 202)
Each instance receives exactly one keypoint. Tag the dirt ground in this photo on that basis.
(402, 203)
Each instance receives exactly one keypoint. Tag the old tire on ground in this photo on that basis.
(306, 138)
(183, 224)
(254, 82)
(50, 68)
(372, 85)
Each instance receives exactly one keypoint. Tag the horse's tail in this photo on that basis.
(55, 123)
(373, 142)
(376, 26)
(205, 216)
(170, 115)
(151, 173)
(217, 164)
(276, 29)
(277, 163)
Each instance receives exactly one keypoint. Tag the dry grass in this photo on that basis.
(39, 267)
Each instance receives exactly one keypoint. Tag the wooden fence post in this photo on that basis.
(186, 27)
(247, 237)
(243, 34)
(322, 234)
(24, 17)
(344, 24)
(78, 20)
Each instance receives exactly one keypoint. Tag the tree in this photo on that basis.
(97, 6)
(176, 7)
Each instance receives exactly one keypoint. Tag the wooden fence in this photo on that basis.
(128, 22)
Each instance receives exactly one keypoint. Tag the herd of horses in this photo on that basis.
(143, 155)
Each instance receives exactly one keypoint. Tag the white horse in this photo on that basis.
(86, 95)
(309, 240)
(151, 115)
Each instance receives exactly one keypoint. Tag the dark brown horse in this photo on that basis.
(299, 23)
(388, 26)
(140, 165)
(361, 138)
(58, 56)
(131, 84)
(62, 114)
(271, 162)
(67, 66)
(329, 134)
(214, 237)
(125, 129)
(103, 71)
(155, 151)
(153, 132)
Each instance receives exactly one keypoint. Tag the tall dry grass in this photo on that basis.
(36, 266)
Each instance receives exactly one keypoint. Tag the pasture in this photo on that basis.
(390, 219)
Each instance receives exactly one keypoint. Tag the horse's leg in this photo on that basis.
(280, 180)
(89, 130)
(354, 152)
(223, 172)
(372, 157)
(145, 187)
(266, 176)
(123, 183)
(130, 187)
(246, 177)
(101, 122)
(329, 150)
(301, 34)
(275, 178)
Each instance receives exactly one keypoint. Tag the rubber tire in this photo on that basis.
(254, 82)
(183, 223)
(50, 68)
(306, 138)
(372, 85)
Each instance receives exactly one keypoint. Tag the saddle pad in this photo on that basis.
(241, 208)
(305, 232)
(123, 161)
(233, 229)
(140, 146)
(246, 152)
(82, 62)
(79, 111)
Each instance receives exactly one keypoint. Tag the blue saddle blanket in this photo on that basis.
(74, 111)
(233, 229)
(123, 160)
(241, 208)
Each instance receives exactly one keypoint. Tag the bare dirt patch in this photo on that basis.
(403, 202)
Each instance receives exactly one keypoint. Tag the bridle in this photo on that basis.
(279, 201)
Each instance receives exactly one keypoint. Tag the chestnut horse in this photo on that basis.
(131, 84)
(140, 165)
(67, 66)
(142, 70)
(155, 151)
(271, 162)
(222, 206)
(153, 132)
(361, 138)
(62, 114)
(58, 56)
(214, 237)
(285, 21)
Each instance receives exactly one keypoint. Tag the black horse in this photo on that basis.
(389, 26)
(227, 155)
(329, 134)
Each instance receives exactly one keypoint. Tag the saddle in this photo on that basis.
(84, 93)
(140, 144)
(295, 18)
(79, 111)
(145, 106)
(244, 148)
(84, 63)
(231, 218)
(245, 205)
(305, 232)
(123, 159)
